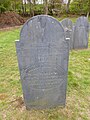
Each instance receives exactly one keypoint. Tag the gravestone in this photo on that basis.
(42, 54)
(68, 27)
(81, 33)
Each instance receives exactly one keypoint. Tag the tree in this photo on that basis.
(88, 8)
(33, 10)
(4, 5)
(55, 7)
(67, 6)
(46, 6)
(80, 7)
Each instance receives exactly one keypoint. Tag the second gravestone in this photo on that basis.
(43, 55)
(68, 27)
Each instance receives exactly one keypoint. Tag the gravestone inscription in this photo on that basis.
(42, 54)
(68, 27)
(81, 33)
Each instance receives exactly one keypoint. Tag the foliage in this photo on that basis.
(79, 6)
(38, 9)
(55, 7)
(4, 5)
(2, 9)
(51, 7)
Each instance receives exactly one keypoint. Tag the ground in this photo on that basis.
(10, 19)
(11, 100)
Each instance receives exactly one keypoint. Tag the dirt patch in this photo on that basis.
(10, 19)
(10, 28)
(3, 96)
(18, 102)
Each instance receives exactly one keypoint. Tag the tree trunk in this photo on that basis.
(52, 4)
(88, 11)
(15, 5)
(30, 9)
(25, 8)
(46, 6)
(22, 8)
(67, 6)
(34, 2)
(88, 14)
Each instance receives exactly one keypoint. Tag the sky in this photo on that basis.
(65, 1)
(24, 1)
(41, 1)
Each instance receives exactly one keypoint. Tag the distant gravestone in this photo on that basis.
(81, 33)
(68, 27)
(43, 62)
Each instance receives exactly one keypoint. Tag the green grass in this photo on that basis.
(72, 17)
(11, 102)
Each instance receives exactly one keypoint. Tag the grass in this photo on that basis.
(72, 17)
(11, 101)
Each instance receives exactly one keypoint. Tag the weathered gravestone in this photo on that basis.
(68, 26)
(81, 33)
(43, 62)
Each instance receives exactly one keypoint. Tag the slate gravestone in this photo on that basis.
(43, 62)
(81, 33)
(68, 26)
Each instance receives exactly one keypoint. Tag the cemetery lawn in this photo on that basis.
(11, 100)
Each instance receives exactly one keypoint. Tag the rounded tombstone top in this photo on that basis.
(41, 26)
(82, 21)
(67, 23)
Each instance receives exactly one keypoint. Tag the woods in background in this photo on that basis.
(51, 7)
